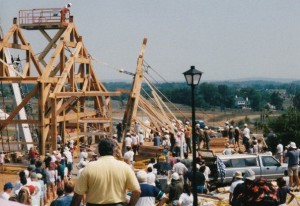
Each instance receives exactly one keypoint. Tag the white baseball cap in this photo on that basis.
(175, 176)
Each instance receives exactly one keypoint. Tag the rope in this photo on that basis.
(149, 96)
(165, 97)
(156, 82)
(148, 66)
(146, 69)
(121, 70)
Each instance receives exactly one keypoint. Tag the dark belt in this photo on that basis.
(112, 204)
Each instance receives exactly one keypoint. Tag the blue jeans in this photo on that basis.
(200, 189)
(174, 202)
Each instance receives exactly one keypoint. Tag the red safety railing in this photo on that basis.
(44, 16)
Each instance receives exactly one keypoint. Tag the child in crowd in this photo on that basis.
(282, 191)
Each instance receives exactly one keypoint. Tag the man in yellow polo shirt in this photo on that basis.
(106, 181)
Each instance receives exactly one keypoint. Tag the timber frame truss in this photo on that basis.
(65, 83)
(152, 106)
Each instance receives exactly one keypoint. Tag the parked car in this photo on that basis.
(264, 166)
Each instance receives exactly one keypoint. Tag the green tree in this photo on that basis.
(210, 93)
(276, 100)
(296, 101)
(226, 96)
(286, 126)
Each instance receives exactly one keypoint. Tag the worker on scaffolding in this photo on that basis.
(65, 13)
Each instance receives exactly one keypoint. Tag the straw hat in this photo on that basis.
(238, 175)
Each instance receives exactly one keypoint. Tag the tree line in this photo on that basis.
(222, 95)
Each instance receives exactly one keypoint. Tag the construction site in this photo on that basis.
(56, 91)
(56, 96)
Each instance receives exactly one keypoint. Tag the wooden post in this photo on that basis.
(54, 124)
(42, 136)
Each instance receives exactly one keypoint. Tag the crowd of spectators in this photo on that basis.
(110, 178)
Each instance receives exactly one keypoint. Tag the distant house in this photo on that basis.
(242, 103)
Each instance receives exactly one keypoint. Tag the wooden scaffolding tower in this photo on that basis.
(68, 91)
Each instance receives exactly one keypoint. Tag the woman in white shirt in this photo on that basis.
(51, 174)
(150, 176)
(186, 198)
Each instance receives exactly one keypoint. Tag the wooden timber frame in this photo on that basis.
(65, 83)
(133, 99)
(158, 113)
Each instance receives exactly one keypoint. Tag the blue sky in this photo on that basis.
(226, 39)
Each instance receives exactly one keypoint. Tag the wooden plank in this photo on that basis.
(66, 71)
(82, 60)
(133, 99)
(10, 33)
(26, 69)
(95, 119)
(65, 105)
(150, 150)
(46, 92)
(84, 94)
(54, 124)
(73, 116)
(50, 64)
(52, 42)
(24, 121)
(26, 80)
(15, 46)
(71, 44)
(124, 91)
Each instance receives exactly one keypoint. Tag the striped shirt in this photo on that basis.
(149, 194)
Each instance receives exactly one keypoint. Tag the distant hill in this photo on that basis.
(248, 82)
(258, 81)
(269, 80)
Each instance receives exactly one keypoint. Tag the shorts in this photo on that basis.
(232, 140)
(70, 166)
(279, 156)
(293, 171)
(58, 179)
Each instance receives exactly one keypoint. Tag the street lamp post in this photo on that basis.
(192, 78)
